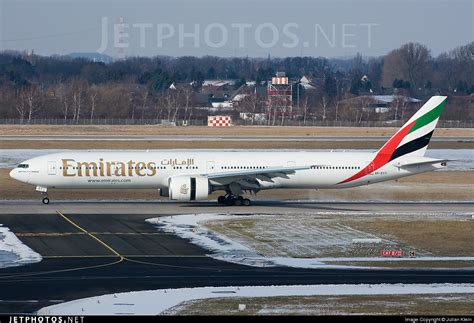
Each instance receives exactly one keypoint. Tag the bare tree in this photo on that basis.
(271, 113)
(77, 88)
(173, 103)
(62, 94)
(29, 102)
(186, 95)
(133, 108)
(93, 100)
(77, 104)
(169, 103)
(278, 105)
(463, 61)
(159, 107)
(305, 107)
(339, 96)
(404, 108)
(324, 104)
(409, 62)
(415, 59)
(397, 102)
(285, 108)
(251, 104)
(144, 98)
(364, 104)
(20, 105)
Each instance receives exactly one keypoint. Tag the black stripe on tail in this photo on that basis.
(412, 146)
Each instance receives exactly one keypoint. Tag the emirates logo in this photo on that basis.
(183, 189)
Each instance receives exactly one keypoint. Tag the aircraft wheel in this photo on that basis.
(45, 200)
(246, 202)
(237, 202)
(221, 200)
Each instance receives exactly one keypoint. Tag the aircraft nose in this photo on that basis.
(14, 174)
(21, 177)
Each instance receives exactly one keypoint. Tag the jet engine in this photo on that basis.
(188, 188)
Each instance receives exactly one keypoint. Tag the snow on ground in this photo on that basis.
(13, 252)
(464, 158)
(189, 226)
(308, 236)
(155, 302)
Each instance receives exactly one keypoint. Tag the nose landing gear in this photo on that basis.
(44, 193)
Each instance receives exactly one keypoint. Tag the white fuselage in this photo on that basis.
(140, 169)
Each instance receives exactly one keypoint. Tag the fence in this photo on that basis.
(236, 122)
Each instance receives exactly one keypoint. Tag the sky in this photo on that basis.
(254, 28)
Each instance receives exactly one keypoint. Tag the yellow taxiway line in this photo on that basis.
(91, 235)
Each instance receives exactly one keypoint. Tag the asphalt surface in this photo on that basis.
(212, 138)
(95, 248)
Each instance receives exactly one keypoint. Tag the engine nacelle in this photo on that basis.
(188, 188)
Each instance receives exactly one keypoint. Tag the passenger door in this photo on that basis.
(51, 168)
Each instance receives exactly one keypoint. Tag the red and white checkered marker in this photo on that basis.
(219, 121)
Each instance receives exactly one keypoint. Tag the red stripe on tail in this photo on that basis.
(384, 154)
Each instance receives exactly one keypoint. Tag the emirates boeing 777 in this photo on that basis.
(194, 174)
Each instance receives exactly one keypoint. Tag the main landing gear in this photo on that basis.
(45, 200)
(232, 200)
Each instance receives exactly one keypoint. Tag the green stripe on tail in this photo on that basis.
(428, 117)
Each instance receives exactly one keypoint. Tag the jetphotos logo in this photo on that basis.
(266, 35)
(46, 319)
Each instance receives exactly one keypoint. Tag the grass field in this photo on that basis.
(440, 304)
(214, 131)
(332, 235)
(318, 235)
(439, 237)
(148, 130)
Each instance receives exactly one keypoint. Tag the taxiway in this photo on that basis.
(95, 248)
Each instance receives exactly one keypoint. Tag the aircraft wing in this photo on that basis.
(248, 179)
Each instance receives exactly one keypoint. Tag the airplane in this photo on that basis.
(191, 175)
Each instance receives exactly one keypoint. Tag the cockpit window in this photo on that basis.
(23, 166)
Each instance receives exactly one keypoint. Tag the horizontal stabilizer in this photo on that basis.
(408, 163)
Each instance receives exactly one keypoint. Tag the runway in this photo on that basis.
(94, 248)
(213, 138)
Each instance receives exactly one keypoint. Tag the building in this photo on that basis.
(280, 96)
(307, 83)
(219, 84)
(382, 103)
